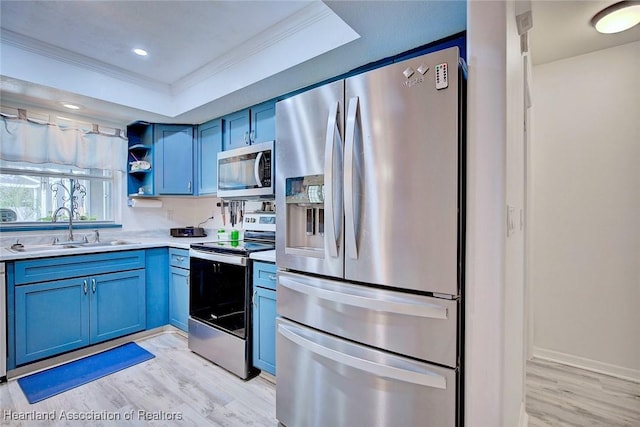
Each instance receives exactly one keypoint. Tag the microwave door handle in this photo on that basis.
(256, 169)
(349, 210)
(333, 134)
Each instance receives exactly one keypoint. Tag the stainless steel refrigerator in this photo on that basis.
(369, 247)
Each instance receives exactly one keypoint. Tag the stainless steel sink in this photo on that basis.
(37, 248)
(19, 248)
(105, 243)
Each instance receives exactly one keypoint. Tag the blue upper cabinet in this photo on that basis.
(250, 126)
(263, 122)
(140, 166)
(174, 159)
(209, 144)
(236, 130)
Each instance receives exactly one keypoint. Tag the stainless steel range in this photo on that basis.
(220, 295)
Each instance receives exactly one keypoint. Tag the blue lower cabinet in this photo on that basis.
(179, 288)
(117, 305)
(157, 279)
(179, 298)
(264, 329)
(63, 315)
(51, 318)
(264, 316)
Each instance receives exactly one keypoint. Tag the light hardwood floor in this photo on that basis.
(175, 381)
(564, 396)
(202, 394)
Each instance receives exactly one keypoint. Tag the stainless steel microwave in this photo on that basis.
(247, 172)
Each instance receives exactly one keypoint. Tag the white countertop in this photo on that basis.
(132, 244)
(268, 256)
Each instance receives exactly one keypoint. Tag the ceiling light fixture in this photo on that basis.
(140, 52)
(70, 106)
(617, 17)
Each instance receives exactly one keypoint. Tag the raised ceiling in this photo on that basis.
(209, 58)
(206, 58)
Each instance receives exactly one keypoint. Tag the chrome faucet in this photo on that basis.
(55, 218)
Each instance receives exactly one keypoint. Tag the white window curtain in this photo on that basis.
(27, 140)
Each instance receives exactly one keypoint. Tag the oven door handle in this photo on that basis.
(216, 257)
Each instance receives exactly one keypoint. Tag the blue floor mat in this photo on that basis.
(42, 385)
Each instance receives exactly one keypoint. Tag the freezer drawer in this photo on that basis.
(422, 327)
(328, 381)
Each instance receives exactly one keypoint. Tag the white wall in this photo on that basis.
(174, 212)
(494, 324)
(484, 292)
(514, 289)
(585, 192)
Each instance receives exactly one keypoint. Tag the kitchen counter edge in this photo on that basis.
(137, 243)
(267, 256)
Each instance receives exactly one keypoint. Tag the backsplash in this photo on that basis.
(140, 222)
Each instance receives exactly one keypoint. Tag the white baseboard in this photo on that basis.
(524, 417)
(588, 364)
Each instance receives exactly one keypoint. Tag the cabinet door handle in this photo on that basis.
(252, 136)
(85, 287)
(253, 298)
(93, 285)
(272, 277)
(189, 185)
(246, 137)
(188, 281)
(180, 258)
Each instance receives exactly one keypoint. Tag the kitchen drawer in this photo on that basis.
(64, 267)
(327, 381)
(419, 326)
(179, 258)
(264, 275)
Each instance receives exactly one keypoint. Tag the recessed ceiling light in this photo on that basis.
(617, 17)
(70, 106)
(140, 52)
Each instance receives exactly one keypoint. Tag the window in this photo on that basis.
(31, 193)
(58, 166)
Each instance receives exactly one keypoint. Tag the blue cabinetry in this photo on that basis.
(157, 279)
(51, 318)
(179, 288)
(66, 303)
(251, 126)
(117, 305)
(236, 130)
(173, 159)
(209, 144)
(263, 122)
(140, 166)
(264, 316)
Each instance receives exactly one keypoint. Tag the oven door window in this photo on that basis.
(217, 295)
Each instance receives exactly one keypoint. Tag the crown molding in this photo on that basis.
(56, 53)
(287, 28)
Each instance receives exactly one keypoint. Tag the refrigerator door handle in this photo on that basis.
(349, 211)
(427, 379)
(331, 232)
(422, 309)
